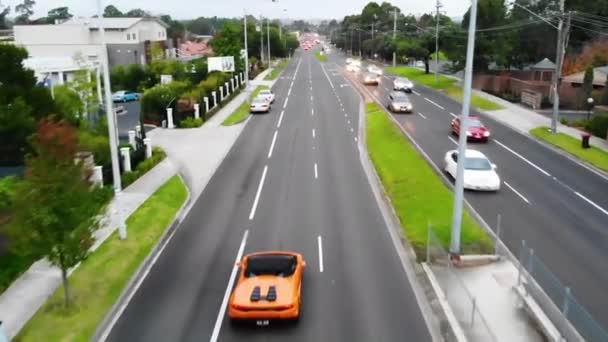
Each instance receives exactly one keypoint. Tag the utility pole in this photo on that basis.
(394, 36)
(438, 5)
(261, 39)
(462, 139)
(359, 46)
(112, 133)
(558, 67)
(268, 37)
(246, 51)
(351, 41)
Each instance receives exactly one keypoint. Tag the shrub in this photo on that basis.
(598, 126)
(118, 76)
(191, 122)
(563, 121)
(99, 145)
(135, 76)
(156, 99)
(8, 185)
(129, 177)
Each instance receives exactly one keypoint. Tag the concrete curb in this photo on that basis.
(106, 325)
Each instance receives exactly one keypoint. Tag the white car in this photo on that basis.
(349, 60)
(259, 105)
(402, 83)
(267, 94)
(353, 68)
(420, 64)
(374, 69)
(479, 173)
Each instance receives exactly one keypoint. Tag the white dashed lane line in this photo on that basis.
(453, 140)
(516, 192)
(434, 103)
(454, 115)
(274, 139)
(522, 158)
(422, 115)
(280, 118)
(415, 93)
(257, 195)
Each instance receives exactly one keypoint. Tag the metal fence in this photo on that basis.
(462, 302)
(572, 311)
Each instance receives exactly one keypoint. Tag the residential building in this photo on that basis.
(129, 40)
(571, 88)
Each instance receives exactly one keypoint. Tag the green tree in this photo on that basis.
(228, 42)
(588, 82)
(118, 78)
(3, 15)
(70, 105)
(55, 208)
(134, 77)
(112, 12)
(59, 13)
(604, 96)
(25, 10)
(136, 13)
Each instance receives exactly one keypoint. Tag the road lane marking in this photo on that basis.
(313, 132)
(235, 268)
(330, 82)
(257, 195)
(280, 118)
(592, 203)
(453, 140)
(424, 117)
(285, 103)
(351, 129)
(345, 115)
(355, 138)
(274, 139)
(522, 158)
(320, 243)
(433, 102)
(289, 92)
(310, 98)
(316, 172)
(454, 115)
(348, 121)
(516, 192)
(312, 111)
(415, 92)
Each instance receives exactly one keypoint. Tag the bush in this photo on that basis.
(135, 76)
(598, 126)
(156, 99)
(563, 121)
(99, 145)
(191, 122)
(129, 177)
(8, 185)
(511, 97)
(118, 76)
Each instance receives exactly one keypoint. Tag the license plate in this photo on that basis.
(262, 323)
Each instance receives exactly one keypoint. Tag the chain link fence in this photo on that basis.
(462, 302)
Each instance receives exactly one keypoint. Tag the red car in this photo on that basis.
(476, 131)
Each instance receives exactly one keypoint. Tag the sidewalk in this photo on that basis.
(194, 153)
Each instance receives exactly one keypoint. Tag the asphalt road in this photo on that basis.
(305, 191)
(129, 119)
(557, 206)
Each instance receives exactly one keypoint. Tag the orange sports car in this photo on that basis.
(269, 287)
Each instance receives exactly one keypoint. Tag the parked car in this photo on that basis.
(402, 83)
(259, 105)
(420, 64)
(479, 173)
(125, 96)
(476, 130)
(399, 103)
(371, 79)
(267, 94)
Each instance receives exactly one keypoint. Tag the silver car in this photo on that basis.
(259, 105)
(402, 83)
(371, 78)
(399, 103)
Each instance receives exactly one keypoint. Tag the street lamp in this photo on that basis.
(589, 107)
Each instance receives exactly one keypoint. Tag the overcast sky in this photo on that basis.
(297, 9)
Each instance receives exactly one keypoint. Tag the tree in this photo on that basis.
(59, 13)
(69, 103)
(588, 82)
(176, 28)
(112, 12)
(228, 42)
(136, 13)
(604, 96)
(25, 10)
(133, 77)
(55, 208)
(3, 15)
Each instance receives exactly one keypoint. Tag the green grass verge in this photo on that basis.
(99, 280)
(593, 155)
(445, 84)
(276, 71)
(320, 57)
(442, 56)
(242, 113)
(416, 191)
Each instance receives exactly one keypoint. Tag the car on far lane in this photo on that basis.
(399, 102)
(479, 173)
(403, 83)
(349, 60)
(267, 94)
(269, 287)
(125, 96)
(371, 79)
(259, 105)
(353, 68)
(374, 69)
(476, 131)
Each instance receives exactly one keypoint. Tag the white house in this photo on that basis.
(128, 39)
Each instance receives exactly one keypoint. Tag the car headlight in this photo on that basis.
(469, 133)
(486, 134)
(409, 106)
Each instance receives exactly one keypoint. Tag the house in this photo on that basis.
(570, 89)
(129, 40)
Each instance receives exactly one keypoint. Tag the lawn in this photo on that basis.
(98, 282)
(276, 71)
(320, 57)
(593, 155)
(417, 193)
(242, 113)
(445, 84)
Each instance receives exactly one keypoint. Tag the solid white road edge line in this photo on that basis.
(320, 243)
(453, 140)
(592, 203)
(435, 103)
(330, 83)
(522, 158)
(516, 192)
(257, 195)
(424, 117)
(280, 119)
(274, 139)
(235, 268)
(316, 172)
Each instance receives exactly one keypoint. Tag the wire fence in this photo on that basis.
(462, 302)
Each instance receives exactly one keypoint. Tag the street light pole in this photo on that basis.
(268, 38)
(438, 5)
(262, 39)
(394, 36)
(246, 51)
(109, 105)
(462, 139)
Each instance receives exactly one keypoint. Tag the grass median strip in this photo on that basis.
(99, 280)
(416, 192)
(320, 57)
(592, 155)
(445, 84)
(242, 112)
(277, 71)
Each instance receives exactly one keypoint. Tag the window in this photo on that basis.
(128, 36)
(134, 36)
